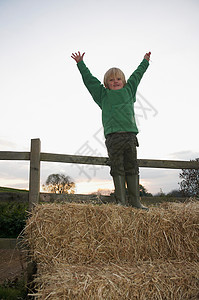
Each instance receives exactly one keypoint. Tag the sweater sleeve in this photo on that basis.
(135, 78)
(94, 86)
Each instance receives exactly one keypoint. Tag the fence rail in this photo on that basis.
(94, 160)
(35, 156)
(12, 155)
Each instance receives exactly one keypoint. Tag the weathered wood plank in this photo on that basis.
(12, 155)
(34, 182)
(168, 164)
(93, 160)
(74, 159)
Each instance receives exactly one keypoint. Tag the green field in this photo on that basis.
(11, 190)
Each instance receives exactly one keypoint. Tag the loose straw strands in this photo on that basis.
(147, 280)
(86, 233)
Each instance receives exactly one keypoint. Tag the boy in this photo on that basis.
(116, 99)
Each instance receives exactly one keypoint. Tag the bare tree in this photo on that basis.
(59, 184)
(189, 185)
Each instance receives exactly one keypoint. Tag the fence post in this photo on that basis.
(34, 180)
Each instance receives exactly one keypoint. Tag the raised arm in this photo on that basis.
(135, 78)
(94, 86)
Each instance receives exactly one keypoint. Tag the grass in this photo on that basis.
(11, 290)
(11, 190)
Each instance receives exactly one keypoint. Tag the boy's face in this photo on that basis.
(115, 83)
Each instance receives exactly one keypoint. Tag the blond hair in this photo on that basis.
(114, 73)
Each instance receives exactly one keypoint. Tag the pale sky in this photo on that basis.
(42, 94)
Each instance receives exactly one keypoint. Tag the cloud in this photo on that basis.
(14, 169)
(14, 174)
(156, 179)
(184, 155)
(165, 179)
(6, 145)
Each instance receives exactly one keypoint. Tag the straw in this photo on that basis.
(87, 251)
(80, 233)
(148, 280)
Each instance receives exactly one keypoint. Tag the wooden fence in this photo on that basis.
(35, 156)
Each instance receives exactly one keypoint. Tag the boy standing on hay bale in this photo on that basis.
(116, 99)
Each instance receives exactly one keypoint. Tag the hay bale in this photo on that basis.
(147, 280)
(86, 251)
(86, 233)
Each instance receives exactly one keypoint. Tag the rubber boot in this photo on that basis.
(134, 191)
(120, 191)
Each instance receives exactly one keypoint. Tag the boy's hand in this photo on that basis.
(77, 56)
(147, 56)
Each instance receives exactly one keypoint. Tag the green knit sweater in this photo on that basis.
(117, 105)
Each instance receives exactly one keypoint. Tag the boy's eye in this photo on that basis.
(112, 79)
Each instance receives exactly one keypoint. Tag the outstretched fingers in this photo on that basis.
(77, 56)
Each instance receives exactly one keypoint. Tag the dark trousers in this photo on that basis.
(122, 153)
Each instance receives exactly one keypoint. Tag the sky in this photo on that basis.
(42, 94)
